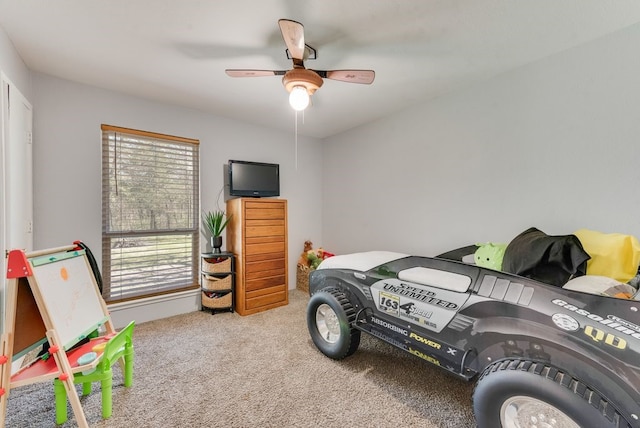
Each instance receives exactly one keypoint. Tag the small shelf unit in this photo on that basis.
(217, 282)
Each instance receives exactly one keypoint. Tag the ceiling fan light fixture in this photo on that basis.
(302, 77)
(304, 82)
(301, 82)
(299, 98)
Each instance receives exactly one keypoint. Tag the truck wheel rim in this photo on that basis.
(327, 323)
(522, 411)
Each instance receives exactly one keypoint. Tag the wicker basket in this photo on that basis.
(214, 283)
(302, 278)
(211, 265)
(216, 300)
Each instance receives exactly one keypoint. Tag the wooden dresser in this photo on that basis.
(257, 236)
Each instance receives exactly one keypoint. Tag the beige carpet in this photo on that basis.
(224, 370)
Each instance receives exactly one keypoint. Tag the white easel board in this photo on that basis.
(69, 294)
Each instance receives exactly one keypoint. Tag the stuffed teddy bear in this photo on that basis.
(304, 260)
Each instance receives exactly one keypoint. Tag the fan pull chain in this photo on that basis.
(296, 139)
(296, 135)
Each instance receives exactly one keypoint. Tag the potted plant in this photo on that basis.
(214, 223)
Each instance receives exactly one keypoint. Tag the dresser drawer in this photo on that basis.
(260, 257)
(264, 222)
(264, 274)
(265, 230)
(264, 213)
(256, 299)
(267, 247)
(262, 283)
(264, 265)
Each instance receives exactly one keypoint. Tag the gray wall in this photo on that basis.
(553, 144)
(13, 67)
(67, 160)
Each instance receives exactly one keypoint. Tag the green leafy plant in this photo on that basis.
(214, 222)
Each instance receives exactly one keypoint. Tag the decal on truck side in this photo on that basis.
(429, 307)
(597, 335)
(407, 339)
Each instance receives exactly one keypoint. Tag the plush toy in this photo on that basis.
(311, 257)
(326, 254)
(308, 246)
(303, 260)
(314, 260)
(490, 255)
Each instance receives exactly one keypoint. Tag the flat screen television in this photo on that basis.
(253, 179)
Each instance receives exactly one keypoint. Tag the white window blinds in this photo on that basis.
(150, 213)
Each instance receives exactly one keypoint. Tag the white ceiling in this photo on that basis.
(176, 51)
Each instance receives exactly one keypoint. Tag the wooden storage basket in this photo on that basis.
(214, 283)
(209, 265)
(302, 278)
(217, 300)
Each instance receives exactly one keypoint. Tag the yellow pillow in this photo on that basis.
(613, 255)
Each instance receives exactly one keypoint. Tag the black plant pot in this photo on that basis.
(216, 243)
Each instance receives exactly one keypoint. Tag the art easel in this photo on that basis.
(51, 295)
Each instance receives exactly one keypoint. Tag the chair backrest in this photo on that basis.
(116, 346)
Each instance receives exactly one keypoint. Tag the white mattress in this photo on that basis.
(360, 261)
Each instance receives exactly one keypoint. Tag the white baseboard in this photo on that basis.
(153, 308)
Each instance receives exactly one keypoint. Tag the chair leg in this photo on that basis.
(86, 388)
(128, 368)
(106, 385)
(61, 401)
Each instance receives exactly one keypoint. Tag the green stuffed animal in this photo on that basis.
(314, 260)
(490, 255)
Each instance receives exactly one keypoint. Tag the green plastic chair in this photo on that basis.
(118, 347)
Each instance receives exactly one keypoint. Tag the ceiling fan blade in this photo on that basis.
(352, 76)
(254, 73)
(293, 35)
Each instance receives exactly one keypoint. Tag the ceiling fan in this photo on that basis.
(299, 81)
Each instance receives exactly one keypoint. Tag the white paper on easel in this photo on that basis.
(70, 297)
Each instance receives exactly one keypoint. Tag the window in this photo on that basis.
(150, 213)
